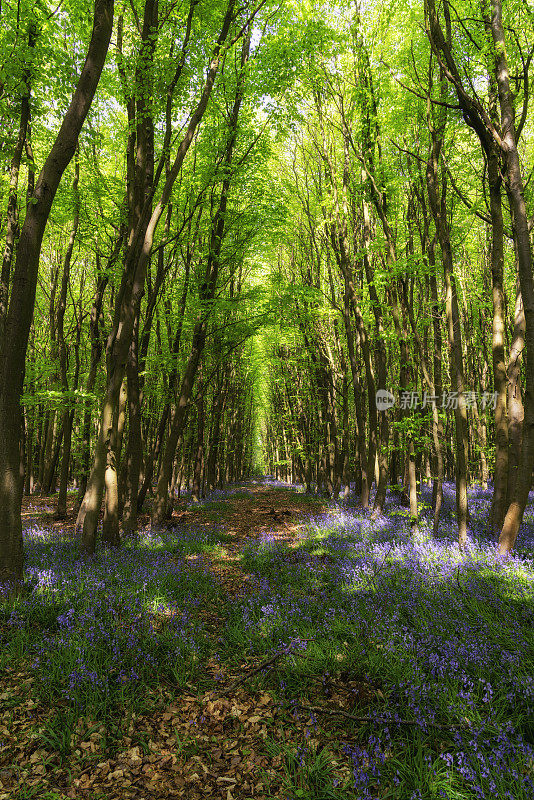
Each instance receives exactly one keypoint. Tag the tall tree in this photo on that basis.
(22, 298)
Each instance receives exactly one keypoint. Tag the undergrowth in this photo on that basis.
(432, 648)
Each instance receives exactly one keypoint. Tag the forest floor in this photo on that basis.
(267, 644)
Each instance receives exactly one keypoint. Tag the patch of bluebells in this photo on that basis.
(449, 633)
(181, 539)
(273, 483)
(368, 763)
(98, 627)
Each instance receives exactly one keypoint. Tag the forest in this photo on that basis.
(267, 399)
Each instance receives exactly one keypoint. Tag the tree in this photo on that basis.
(22, 295)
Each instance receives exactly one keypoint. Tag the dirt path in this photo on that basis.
(275, 513)
(266, 511)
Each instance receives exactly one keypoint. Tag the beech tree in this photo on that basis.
(22, 293)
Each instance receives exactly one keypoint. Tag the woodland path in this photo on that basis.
(274, 513)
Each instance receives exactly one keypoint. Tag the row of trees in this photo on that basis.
(409, 242)
(226, 173)
(131, 376)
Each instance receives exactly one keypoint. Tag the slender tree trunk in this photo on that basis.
(402, 335)
(516, 411)
(358, 398)
(12, 227)
(439, 212)
(178, 420)
(437, 422)
(68, 414)
(378, 449)
(345, 452)
(134, 451)
(110, 524)
(153, 457)
(96, 353)
(460, 411)
(30, 427)
(196, 493)
(218, 406)
(500, 473)
(42, 442)
(49, 460)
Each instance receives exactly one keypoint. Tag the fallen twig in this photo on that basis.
(264, 665)
(380, 720)
(259, 668)
(347, 689)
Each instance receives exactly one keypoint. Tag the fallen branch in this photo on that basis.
(380, 720)
(330, 683)
(264, 665)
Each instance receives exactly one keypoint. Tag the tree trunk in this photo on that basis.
(439, 212)
(196, 492)
(12, 204)
(153, 457)
(110, 524)
(49, 451)
(437, 422)
(516, 410)
(42, 438)
(96, 353)
(68, 414)
(218, 405)
(500, 473)
(515, 191)
(134, 451)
